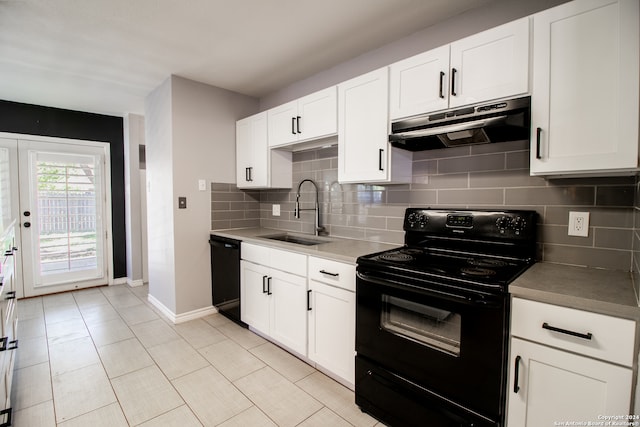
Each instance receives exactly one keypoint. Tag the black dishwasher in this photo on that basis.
(225, 276)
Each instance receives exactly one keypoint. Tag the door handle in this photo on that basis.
(453, 81)
(516, 374)
(269, 286)
(298, 124)
(538, 132)
(380, 153)
(264, 283)
(246, 174)
(309, 300)
(441, 93)
(293, 125)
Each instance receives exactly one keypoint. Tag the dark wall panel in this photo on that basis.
(46, 121)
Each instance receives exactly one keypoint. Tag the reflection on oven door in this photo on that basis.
(426, 325)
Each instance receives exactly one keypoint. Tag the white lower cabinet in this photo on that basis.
(310, 308)
(332, 317)
(274, 301)
(554, 376)
(8, 322)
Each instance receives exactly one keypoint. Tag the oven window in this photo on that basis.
(430, 326)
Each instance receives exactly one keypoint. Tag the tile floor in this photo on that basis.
(105, 357)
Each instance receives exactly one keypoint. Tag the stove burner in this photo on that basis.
(396, 257)
(487, 262)
(477, 272)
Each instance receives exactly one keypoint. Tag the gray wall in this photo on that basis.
(483, 176)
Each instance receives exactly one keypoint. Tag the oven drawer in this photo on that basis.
(335, 273)
(590, 334)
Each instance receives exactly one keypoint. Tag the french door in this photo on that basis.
(63, 201)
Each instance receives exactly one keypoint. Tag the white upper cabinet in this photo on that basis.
(311, 117)
(364, 152)
(489, 65)
(256, 165)
(585, 89)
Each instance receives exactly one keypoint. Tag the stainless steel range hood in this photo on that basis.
(478, 124)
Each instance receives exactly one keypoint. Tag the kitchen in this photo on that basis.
(485, 175)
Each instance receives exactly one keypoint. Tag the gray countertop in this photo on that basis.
(602, 291)
(335, 248)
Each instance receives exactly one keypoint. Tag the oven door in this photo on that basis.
(451, 342)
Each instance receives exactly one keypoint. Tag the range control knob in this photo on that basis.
(412, 218)
(503, 223)
(518, 224)
(423, 220)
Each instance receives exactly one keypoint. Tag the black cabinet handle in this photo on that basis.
(516, 375)
(441, 93)
(3, 343)
(8, 412)
(268, 285)
(309, 300)
(12, 345)
(11, 295)
(453, 81)
(26, 213)
(538, 132)
(251, 173)
(298, 124)
(264, 284)
(329, 274)
(293, 125)
(246, 174)
(27, 224)
(380, 153)
(586, 336)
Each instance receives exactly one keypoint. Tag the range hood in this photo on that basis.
(498, 121)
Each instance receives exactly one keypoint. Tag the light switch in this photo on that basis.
(182, 203)
(275, 210)
(202, 185)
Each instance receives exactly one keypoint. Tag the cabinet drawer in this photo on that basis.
(333, 273)
(600, 336)
(291, 262)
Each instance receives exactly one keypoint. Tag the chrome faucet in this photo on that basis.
(296, 209)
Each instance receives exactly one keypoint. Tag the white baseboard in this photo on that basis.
(134, 283)
(120, 281)
(183, 317)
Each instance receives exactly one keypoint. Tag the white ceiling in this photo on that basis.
(105, 56)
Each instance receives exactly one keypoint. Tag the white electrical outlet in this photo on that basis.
(275, 210)
(202, 185)
(579, 224)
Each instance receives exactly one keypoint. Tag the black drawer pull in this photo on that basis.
(12, 345)
(380, 153)
(309, 300)
(11, 295)
(3, 343)
(329, 273)
(264, 284)
(269, 286)
(586, 336)
(538, 133)
(453, 82)
(8, 412)
(440, 92)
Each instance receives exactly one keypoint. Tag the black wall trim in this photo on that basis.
(47, 121)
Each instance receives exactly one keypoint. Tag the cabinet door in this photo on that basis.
(318, 114)
(289, 310)
(254, 309)
(419, 84)
(332, 324)
(491, 64)
(585, 88)
(252, 152)
(555, 386)
(283, 124)
(363, 148)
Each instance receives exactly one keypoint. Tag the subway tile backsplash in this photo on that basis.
(482, 176)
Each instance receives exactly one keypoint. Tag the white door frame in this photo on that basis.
(105, 146)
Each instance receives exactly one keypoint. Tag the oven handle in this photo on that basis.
(479, 300)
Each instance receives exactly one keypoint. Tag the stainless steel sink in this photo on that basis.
(298, 240)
